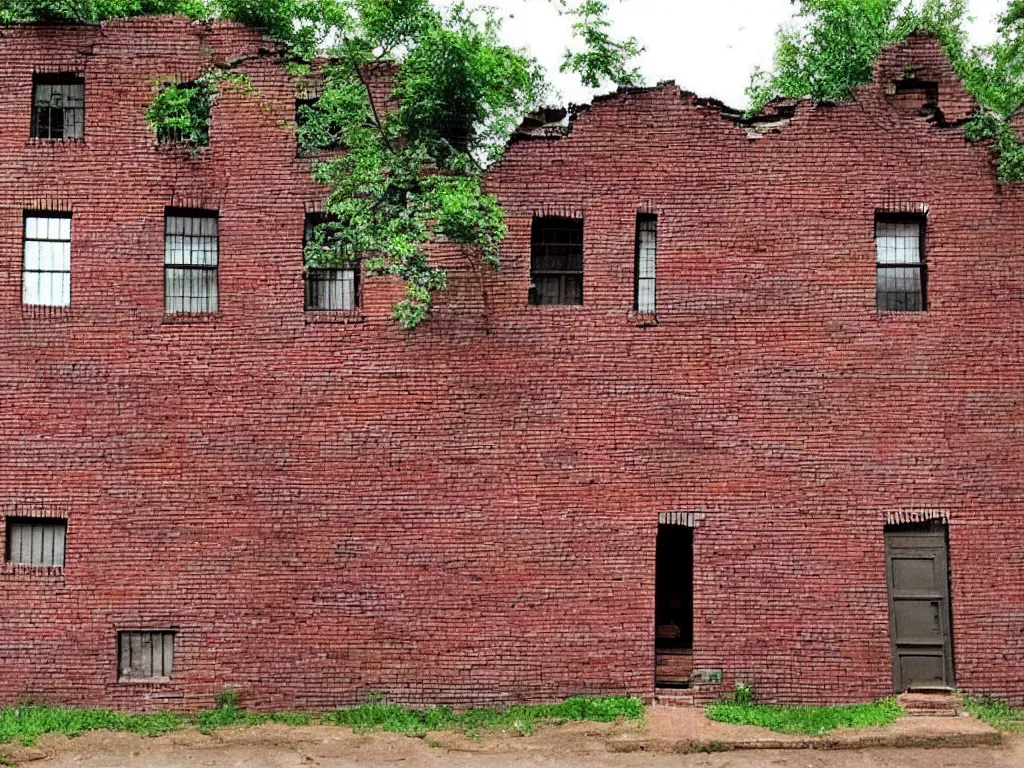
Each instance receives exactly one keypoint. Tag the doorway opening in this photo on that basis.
(920, 624)
(673, 607)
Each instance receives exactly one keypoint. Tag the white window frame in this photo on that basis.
(46, 259)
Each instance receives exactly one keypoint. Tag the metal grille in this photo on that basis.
(58, 107)
(646, 250)
(145, 655)
(901, 269)
(46, 276)
(329, 288)
(556, 261)
(191, 253)
(38, 542)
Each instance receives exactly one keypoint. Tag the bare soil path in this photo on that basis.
(576, 746)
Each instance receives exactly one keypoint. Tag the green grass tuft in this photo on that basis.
(998, 714)
(26, 724)
(519, 719)
(813, 721)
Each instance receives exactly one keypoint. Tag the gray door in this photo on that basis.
(919, 623)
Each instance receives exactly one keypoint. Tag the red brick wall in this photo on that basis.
(467, 513)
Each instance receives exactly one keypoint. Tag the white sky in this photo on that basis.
(709, 48)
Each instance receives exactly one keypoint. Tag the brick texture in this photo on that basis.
(327, 506)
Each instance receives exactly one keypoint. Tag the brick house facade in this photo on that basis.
(312, 505)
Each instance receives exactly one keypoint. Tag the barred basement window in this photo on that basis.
(329, 288)
(58, 107)
(191, 253)
(556, 261)
(46, 275)
(145, 655)
(646, 250)
(902, 276)
(36, 541)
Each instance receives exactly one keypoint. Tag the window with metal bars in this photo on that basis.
(46, 273)
(556, 261)
(901, 271)
(58, 107)
(329, 288)
(146, 655)
(191, 257)
(36, 541)
(646, 251)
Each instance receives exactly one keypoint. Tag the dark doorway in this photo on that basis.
(920, 630)
(673, 607)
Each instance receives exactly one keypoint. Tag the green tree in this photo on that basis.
(26, 11)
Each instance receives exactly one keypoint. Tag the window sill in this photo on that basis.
(143, 681)
(339, 316)
(644, 319)
(51, 143)
(36, 572)
(191, 318)
(556, 307)
(904, 315)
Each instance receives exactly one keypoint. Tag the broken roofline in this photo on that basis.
(919, 52)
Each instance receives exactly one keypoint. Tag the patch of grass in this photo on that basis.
(518, 719)
(813, 721)
(998, 714)
(27, 723)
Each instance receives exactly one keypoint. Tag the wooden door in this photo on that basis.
(920, 630)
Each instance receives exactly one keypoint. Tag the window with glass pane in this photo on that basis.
(899, 243)
(58, 107)
(191, 244)
(37, 542)
(329, 287)
(646, 250)
(46, 279)
(556, 261)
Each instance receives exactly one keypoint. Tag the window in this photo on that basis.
(46, 277)
(556, 261)
(145, 655)
(58, 107)
(329, 287)
(191, 251)
(899, 242)
(36, 541)
(646, 249)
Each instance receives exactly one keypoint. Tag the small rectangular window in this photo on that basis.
(145, 655)
(329, 288)
(36, 541)
(58, 107)
(646, 251)
(46, 275)
(556, 261)
(901, 281)
(191, 256)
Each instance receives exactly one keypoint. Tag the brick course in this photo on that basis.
(326, 506)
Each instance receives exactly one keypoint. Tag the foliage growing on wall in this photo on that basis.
(23, 11)
(180, 113)
(833, 48)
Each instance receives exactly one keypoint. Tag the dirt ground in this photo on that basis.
(584, 745)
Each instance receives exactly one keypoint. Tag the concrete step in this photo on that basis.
(673, 697)
(930, 703)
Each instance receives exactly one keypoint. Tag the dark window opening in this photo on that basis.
(645, 268)
(36, 541)
(915, 95)
(673, 606)
(901, 272)
(317, 132)
(58, 107)
(145, 655)
(191, 261)
(556, 261)
(329, 288)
